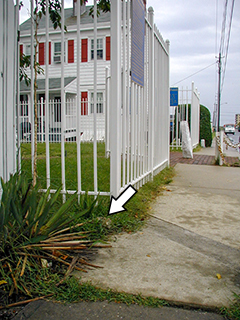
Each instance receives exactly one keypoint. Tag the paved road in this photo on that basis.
(43, 310)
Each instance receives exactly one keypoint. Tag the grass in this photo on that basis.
(233, 312)
(98, 225)
(70, 165)
(179, 149)
(72, 291)
(88, 292)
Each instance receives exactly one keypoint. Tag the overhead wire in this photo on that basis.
(227, 45)
(194, 73)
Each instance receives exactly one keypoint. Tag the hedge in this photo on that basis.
(205, 126)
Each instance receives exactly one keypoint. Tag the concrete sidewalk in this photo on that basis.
(227, 151)
(188, 253)
(192, 235)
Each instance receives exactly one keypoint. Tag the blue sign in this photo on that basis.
(138, 31)
(173, 97)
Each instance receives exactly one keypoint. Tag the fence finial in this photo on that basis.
(151, 10)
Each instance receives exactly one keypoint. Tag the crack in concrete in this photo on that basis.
(211, 248)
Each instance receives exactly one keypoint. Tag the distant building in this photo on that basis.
(237, 119)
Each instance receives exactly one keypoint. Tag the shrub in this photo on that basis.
(205, 126)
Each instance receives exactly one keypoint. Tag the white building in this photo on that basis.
(70, 64)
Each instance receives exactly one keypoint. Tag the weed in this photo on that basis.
(233, 312)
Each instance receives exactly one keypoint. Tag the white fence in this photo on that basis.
(8, 77)
(188, 110)
(135, 122)
(139, 116)
(55, 118)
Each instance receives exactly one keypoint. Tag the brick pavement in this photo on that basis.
(200, 159)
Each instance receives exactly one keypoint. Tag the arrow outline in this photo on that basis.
(116, 199)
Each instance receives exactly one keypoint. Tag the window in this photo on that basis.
(99, 102)
(23, 105)
(57, 48)
(99, 49)
(58, 52)
(28, 50)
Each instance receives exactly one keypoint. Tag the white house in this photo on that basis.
(70, 66)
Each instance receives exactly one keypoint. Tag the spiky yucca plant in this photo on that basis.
(33, 232)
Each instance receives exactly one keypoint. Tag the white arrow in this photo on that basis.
(116, 205)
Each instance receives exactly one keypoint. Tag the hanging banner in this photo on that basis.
(173, 97)
(138, 31)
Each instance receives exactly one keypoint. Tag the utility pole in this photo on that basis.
(219, 89)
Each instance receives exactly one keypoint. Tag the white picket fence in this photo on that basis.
(8, 86)
(55, 118)
(188, 110)
(139, 115)
(135, 122)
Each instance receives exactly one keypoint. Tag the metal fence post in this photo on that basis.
(151, 90)
(107, 92)
(47, 98)
(63, 108)
(115, 147)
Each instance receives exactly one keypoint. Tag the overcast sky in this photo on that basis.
(191, 27)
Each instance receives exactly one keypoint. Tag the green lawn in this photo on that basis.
(70, 165)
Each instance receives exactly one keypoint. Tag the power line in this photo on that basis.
(227, 46)
(194, 73)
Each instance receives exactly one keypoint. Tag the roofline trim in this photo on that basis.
(69, 31)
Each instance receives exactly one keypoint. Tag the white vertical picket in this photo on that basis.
(18, 90)
(124, 97)
(8, 56)
(78, 129)
(132, 129)
(95, 100)
(63, 116)
(47, 97)
(168, 99)
(151, 89)
(107, 105)
(32, 86)
(128, 90)
(115, 110)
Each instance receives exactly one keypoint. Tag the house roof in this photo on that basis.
(54, 84)
(70, 20)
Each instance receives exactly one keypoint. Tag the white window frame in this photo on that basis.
(99, 102)
(100, 48)
(28, 49)
(59, 53)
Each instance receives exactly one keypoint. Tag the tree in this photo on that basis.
(205, 126)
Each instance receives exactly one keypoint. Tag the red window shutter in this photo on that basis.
(84, 50)
(41, 54)
(108, 48)
(50, 47)
(84, 103)
(70, 51)
(21, 49)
